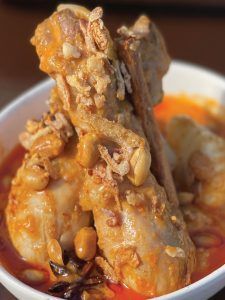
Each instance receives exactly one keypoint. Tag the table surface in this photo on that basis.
(191, 34)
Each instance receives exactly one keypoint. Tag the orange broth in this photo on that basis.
(171, 106)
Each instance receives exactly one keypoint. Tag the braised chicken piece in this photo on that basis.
(44, 198)
(199, 176)
(200, 161)
(143, 242)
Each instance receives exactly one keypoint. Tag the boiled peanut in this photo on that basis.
(36, 178)
(85, 243)
(48, 146)
(139, 166)
(88, 153)
(55, 251)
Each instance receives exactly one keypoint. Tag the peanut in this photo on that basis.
(88, 153)
(36, 178)
(55, 251)
(85, 243)
(48, 146)
(139, 166)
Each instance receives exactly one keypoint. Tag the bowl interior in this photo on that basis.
(181, 77)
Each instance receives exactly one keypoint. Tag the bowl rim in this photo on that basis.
(12, 281)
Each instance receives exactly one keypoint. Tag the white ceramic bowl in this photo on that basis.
(182, 77)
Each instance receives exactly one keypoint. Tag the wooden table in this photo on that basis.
(192, 34)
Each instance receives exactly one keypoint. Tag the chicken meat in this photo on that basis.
(143, 241)
(200, 167)
(44, 198)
